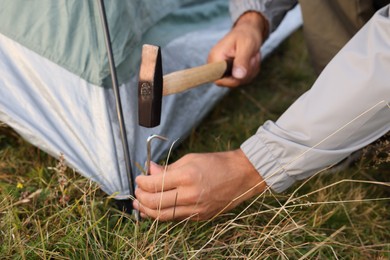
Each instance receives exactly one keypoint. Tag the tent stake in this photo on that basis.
(117, 97)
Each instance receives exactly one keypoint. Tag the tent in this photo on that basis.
(55, 87)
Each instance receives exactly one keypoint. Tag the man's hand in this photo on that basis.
(198, 186)
(242, 43)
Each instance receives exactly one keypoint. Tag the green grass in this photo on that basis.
(47, 211)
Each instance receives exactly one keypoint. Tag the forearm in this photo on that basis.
(346, 109)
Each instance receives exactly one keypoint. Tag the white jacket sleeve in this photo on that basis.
(273, 11)
(346, 109)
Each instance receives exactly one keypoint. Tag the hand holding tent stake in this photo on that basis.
(153, 85)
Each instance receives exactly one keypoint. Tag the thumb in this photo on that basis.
(245, 52)
(239, 71)
(241, 65)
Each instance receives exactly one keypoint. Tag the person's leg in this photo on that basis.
(328, 25)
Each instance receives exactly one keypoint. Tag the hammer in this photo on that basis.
(152, 85)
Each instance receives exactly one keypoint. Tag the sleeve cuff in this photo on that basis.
(239, 7)
(266, 164)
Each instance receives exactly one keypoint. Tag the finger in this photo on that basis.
(254, 67)
(180, 196)
(163, 178)
(255, 61)
(160, 180)
(155, 183)
(155, 168)
(182, 162)
(229, 82)
(223, 51)
(144, 216)
(162, 200)
(173, 213)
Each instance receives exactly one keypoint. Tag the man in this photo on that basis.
(346, 109)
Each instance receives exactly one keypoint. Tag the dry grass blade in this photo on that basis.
(54, 213)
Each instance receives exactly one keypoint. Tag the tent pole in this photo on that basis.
(117, 97)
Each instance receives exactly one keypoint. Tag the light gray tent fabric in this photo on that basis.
(78, 119)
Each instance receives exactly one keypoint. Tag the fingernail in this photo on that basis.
(239, 72)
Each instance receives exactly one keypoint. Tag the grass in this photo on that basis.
(50, 212)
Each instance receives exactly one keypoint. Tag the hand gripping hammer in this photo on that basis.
(152, 85)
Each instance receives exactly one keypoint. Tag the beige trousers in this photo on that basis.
(330, 24)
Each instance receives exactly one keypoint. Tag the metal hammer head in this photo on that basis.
(150, 87)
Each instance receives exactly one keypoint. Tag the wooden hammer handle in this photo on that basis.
(182, 80)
